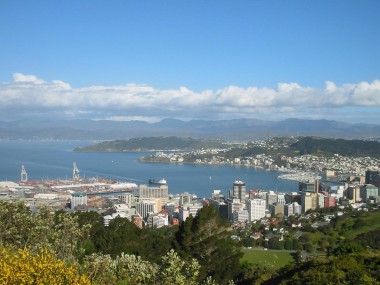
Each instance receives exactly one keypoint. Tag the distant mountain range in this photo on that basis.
(229, 130)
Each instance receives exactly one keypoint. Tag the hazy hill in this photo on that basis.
(152, 143)
(231, 130)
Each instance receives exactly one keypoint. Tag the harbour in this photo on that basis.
(53, 160)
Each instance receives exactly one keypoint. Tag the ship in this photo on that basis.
(158, 182)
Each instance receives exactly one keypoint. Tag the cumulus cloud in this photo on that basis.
(134, 100)
(19, 77)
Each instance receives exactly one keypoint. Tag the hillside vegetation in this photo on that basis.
(153, 143)
(323, 146)
(36, 246)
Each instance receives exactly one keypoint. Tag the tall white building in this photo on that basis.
(241, 216)
(256, 209)
(24, 174)
(78, 199)
(281, 199)
(127, 198)
(145, 207)
(293, 209)
(158, 192)
(234, 205)
(183, 214)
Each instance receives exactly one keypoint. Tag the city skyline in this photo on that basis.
(133, 60)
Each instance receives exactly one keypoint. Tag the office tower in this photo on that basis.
(309, 187)
(145, 207)
(233, 205)
(127, 198)
(309, 201)
(372, 177)
(152, 192)
(256, 209)
(78, 199)
(368, 191)
(330, 201)
(271, 198)
(239, 190)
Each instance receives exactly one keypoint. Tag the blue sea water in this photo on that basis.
(54, 159)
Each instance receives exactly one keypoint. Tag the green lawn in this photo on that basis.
(273, 258)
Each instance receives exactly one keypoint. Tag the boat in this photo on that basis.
(158, 182)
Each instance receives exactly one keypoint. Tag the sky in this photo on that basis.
(213, 60)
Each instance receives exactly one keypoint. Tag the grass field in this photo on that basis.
(273, 258)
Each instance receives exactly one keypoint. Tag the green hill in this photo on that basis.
(328, 147)
(153, 143)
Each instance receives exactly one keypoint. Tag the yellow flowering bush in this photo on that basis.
(23, 267)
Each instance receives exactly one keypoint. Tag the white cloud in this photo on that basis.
(142, 101)
(19, 77)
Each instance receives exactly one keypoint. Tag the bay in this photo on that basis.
(54, 160)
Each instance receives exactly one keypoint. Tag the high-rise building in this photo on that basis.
(154, 192)
(281, 199)
(256, 209)
(241, 216)
(368, 190)
(271, 198)
(183, 214)
(145, 207)
(185, 199)
(372, 177)
(321, 200)
(78, 199)
(128, 198)
(24, 174)
(330, 201)
(309, 187)
(276, 209)
(239, 190)
(353, 193)
(309, 201)
(220, 206)
(233, 205)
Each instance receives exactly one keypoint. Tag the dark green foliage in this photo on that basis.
(206, 238)
(323, 146)
(346, 247)
(370, 239)
(122, 236)
(254, 274)
(354, 269)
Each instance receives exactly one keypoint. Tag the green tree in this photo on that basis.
(206, 239)
(57, 232)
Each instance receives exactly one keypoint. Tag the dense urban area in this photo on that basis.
(185, 239)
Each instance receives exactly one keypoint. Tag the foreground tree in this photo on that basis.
(58, 232)
(207, 239)
(130, 269)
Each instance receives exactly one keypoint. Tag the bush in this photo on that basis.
(23, 267)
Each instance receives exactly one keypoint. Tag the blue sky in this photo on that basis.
(190, 59)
